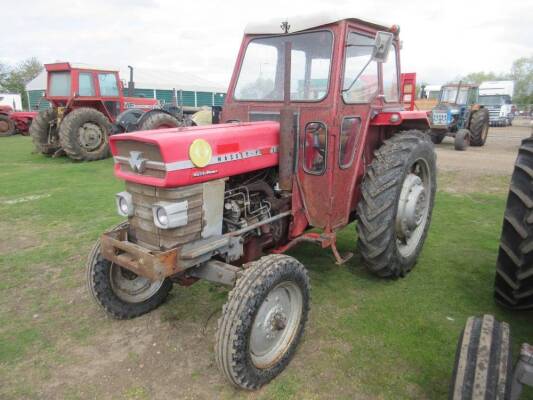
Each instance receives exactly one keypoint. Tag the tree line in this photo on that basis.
(13, 79)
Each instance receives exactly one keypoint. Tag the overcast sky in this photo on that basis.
(441, 39)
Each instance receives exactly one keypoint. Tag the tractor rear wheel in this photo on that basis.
(462, 140)
(84, 134)
(262, 321)
(513, 287)
(159, 120)
(483, 361)
(119, 292)
(7, 126)
(43, 131)
(437, 136)
(479, 127)
(397, 198)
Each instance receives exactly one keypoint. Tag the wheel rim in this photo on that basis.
(91, 136)
(130, 287)
(276, 324)
(413, 208)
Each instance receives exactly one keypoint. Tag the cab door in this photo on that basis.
(367, 87)
(108, 85)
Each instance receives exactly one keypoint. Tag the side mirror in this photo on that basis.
(382, 45)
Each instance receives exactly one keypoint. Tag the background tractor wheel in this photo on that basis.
(159, 120)
(84, 134)
(394, 212)
(43, 131)
(119, 292)
(513, 285)
(7, 126)
(437, 136)
(462, 140)
(483, 361)
(479, 127)
(262, 321)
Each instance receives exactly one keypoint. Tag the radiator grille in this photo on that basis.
(154, 165)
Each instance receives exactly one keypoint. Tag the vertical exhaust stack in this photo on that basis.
(131, 84)
(286, 122)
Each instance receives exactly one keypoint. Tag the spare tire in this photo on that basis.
(483, 361)
(43, 131)
(159, 120)
(84, 134)
(479, 127)
(7, 126)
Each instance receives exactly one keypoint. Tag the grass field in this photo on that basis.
(366, 338)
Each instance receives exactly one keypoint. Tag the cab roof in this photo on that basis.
(67, 66)
(302, 23)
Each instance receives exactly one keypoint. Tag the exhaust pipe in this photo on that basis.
(131, 84)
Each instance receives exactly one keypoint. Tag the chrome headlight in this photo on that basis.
(124, 203)
(170, 215)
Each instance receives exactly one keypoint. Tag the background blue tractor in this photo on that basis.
(460, 116)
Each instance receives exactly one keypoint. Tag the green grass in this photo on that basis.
(366, 337)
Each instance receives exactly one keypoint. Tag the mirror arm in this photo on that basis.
(357, 77)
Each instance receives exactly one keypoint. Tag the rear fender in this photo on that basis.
(402, 120)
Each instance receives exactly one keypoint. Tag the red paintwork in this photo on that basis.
(225, 140)
(326, 201)
(408, 90)
(97, 101)
(22, 119)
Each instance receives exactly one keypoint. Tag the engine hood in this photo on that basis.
(189, 155)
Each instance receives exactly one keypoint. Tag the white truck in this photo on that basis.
(496, 97)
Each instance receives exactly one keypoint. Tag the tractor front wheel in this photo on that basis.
(479, 127)
(462, 139)
(437, 136)
(43, 131)
(263, 321)
(159, 120)
(119, 292)
(7, 126)
(394, 212)
(84, 134)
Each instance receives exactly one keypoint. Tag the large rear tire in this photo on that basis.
(397, 198)
(159, 120)
(513, 285)
(43, 131)
(119, 292)
(7, 126)
(262, 321)
(84, 134)
(479, 127)
(483, 361)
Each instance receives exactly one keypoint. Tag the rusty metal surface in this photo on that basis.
(153, 265)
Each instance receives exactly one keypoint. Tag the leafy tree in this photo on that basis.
(522, 75)
(14, 79)
(481, 76)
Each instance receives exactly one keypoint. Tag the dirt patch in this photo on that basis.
(484, 169)
(15, 237)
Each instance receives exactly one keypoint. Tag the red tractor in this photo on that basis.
(314, 136)
(12, 122)
(86, 102)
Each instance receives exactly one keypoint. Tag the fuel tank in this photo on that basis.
(185, 156)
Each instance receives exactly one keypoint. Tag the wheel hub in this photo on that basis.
(91, 136)
(131, 287)
(4, 126)
(411, 206)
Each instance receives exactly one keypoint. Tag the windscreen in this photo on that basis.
(494, 100)
(261, 77)
(449, 95)
(59, 84)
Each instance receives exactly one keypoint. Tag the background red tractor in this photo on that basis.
(86, 102)
(12, 122)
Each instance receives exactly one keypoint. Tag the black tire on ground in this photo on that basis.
(479, 127)
(462, 139)
(43, 132)
(108, 285)
(399, 165)
(7, 126)
(437, 136)
(262, 285)
(159, 120)
(483, 361)
(513, 286)
(84, 134)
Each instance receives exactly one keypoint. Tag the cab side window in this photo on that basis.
(360, 82)
(315, 148)
(348, 140)
(108, 85)
(86, 86)
(390, 77)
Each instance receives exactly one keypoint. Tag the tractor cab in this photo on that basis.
(72, 86)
